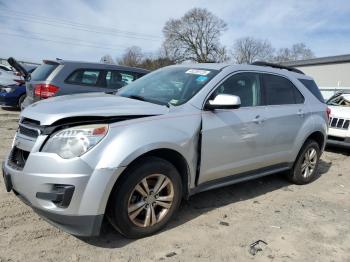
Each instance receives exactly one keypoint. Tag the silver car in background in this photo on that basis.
(175, 132)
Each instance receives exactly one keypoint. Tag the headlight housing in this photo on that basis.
(75, 141)
(7, 89)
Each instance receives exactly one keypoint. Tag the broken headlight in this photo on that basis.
(75, 141)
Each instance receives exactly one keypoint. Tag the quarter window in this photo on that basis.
(280, 91)
(118, 79)
(244, 85)
(84, 77)
(313, 88)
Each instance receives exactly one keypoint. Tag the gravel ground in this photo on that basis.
(298, 223)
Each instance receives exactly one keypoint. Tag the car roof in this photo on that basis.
(243, 67)
(97, 65)
(210, 66)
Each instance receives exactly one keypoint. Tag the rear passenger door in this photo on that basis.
(285, 115)
(84, 81)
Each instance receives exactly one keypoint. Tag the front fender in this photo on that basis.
(129, 140)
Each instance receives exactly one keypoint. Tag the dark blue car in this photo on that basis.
(12, 95)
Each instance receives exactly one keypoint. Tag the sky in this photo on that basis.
(88, 29)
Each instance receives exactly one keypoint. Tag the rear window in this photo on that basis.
(43, 71)
(313, 88)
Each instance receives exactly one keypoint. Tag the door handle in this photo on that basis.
(258, 120)
(301, 113)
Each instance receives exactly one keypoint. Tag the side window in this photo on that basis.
(244, 85)
(84, 77)
(280, 91)
(117, 79)
(128, 77)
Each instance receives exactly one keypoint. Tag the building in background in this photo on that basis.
(330, 73)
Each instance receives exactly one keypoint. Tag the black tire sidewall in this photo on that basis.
(118, 207)
(297, 176)
(21, 100)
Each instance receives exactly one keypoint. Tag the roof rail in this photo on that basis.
(261, 63)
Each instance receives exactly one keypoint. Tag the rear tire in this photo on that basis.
(145, 198)
(305, 169)
(20, 101)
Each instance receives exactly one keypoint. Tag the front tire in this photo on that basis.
(145, 198)
(305, 169)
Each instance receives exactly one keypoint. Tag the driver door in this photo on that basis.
(232, 139)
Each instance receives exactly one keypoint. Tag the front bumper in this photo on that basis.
(11, 98)
(75, 225)
(7, 99)
(43, 172)
(338, 141)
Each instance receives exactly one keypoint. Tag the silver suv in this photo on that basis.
(175, 132)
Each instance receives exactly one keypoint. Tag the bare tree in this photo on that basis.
(249, 49)
(297, 52)
(132, 56)
(194, 37)
(153, 63)
(107, 59)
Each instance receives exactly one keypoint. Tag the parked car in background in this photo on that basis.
(13, 95)
(6, 68)
(9, 78)
(62, 77)
(339, 123)
(175, 132)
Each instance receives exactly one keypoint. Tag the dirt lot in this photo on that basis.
(299, 223)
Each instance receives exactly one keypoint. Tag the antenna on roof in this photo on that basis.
(292, 69)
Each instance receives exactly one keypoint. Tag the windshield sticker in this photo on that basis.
(202, 78)
(197, 72)
(174, 101)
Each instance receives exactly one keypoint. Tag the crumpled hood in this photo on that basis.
(340, 111)
(90, 104)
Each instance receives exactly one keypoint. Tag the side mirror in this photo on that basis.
(223, 101)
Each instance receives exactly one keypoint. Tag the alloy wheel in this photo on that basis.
(309, 162)
(150, 200)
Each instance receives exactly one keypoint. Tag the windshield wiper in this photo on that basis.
(141, 98)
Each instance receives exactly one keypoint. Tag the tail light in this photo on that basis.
(328, 112)
(45, 90)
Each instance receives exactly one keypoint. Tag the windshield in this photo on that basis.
(341, 99)
(172, 85)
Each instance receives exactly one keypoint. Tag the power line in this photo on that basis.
(67, 38)
(75, 27)
(61, 21)
(56, 41)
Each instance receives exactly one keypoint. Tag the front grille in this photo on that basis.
(29, 127)
(28, 131)
(18, 158)
(30, 122)
(339, 123)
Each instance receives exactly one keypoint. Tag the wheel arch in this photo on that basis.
(170, 155)
(319, 137)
